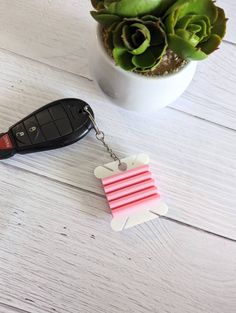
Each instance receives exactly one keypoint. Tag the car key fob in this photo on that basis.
(55, 125)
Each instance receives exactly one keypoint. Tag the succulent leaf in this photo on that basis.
(138, 32)
(105, 19)
(133, 8)
(127, 8)
(122, 58)
(198, 7)
(139, 44)
(98, 4)
(194, 28)
(185, 49)
(144, 60)
(219, 27)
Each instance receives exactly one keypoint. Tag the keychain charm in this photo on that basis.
(128, 184)
(129, 187)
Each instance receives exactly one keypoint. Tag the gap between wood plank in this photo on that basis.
(102, 196)
(97, 194)
(202, 119)
(90, 80)
(18, 310)
(10, 307)
(45, 64)
(229, 42)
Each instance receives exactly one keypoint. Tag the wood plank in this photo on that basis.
(5, 308)
(64, 45)
(212, 93)
(58, 254)
(56, 32)
(230, 9)
(193, 160)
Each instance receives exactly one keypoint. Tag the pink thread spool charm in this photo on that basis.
(132, 195)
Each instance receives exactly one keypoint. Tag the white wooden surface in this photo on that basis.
(57, 252)
(58, 33)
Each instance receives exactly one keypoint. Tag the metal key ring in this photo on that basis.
(101, 137)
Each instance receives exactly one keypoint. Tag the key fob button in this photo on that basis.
(78, 123)
(64, 127)
(21, 136)
(55, 125)
(75, 110)
(44, 117)
(58, 112)
(50, 131)
(76, 114)
(77, 118)
(33, 130)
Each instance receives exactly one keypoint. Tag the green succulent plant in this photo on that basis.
(138, 32)
(138, 44)
(195, 28)
(132, 8)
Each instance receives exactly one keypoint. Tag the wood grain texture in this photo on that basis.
(212, 93)
(6, 308)
(58, 254)
(230, 10)
(57, 251)
(194, 161)
(56, 33)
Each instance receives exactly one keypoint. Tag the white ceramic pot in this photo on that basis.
(133, 91)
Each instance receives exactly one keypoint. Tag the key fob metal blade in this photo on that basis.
(57, 124)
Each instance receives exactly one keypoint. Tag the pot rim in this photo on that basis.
(136, 75)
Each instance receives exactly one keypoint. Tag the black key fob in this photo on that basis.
(55, 125)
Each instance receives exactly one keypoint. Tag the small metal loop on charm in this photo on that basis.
(101, 137)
